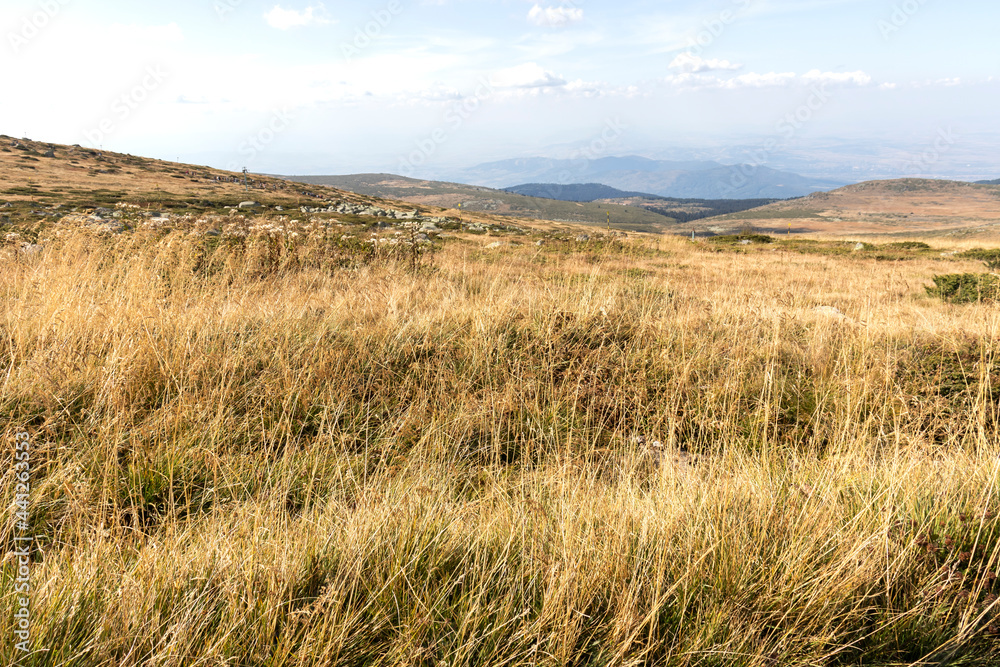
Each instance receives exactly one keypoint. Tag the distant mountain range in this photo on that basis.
(995, 181)
(632, 174)
(573, 192)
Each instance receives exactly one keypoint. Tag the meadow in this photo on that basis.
(287, 445)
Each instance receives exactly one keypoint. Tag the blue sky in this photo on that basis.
(425, 86)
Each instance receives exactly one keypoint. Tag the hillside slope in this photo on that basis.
(38, 175)
(893, 207)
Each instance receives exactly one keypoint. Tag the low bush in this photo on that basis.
(736, 238)
(966, 287)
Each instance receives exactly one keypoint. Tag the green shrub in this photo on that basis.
(966, 287)
(990, 256)
(908, 245)
(736, 238)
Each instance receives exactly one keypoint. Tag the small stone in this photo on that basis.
(249, 204)
(582, 238)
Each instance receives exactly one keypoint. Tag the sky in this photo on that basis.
(425, 87)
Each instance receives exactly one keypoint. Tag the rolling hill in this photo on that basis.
(40, 182)
(892, 207)
(40, 179)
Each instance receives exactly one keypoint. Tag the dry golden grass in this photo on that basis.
(271, 450)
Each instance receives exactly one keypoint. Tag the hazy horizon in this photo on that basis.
(825, 88)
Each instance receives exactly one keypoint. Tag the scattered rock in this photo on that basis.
(249, 204)
(582, 238)
(496, 244)
(860, 246)
(540, 242)
(49, 153)
(109, 228)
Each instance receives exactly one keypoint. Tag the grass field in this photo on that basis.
(286, 445)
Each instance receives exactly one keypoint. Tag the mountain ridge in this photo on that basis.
(679, 179)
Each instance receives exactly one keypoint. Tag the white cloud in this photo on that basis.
(689, 63)
(755, 80)
(528, 75)
(283, 19)
(695, 81)
(588, 88)
(839, 78)
(554, 17)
